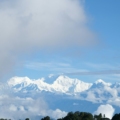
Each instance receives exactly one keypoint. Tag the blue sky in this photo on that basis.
(62, 37)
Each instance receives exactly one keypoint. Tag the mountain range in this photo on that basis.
(64, 85)
(60, 94)
(61, 84)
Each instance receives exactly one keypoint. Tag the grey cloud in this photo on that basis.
(28, 25)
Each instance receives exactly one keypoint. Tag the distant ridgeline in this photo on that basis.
(80, 116)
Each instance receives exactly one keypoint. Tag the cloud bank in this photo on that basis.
(28, 25)
(20, 108)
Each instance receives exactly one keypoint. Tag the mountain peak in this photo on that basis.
(66, 84)
(62, 77)
(100, 81)
(65, 80)
(18, 80)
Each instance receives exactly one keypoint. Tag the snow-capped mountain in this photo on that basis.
(98, 91)
(65, 84)
(62, 84)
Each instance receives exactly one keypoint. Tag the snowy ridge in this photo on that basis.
(97, 91)
(62, 84)
(100, 81)
(24, 83)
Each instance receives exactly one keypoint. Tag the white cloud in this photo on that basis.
(13, 108)
(57, 113)
(114, 101)
(28, 25)
(107, 109)
(95, 96)
(21, 108)
(91, 97)
(112, 91)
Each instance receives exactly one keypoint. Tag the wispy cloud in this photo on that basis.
(103, 72)
(68, 69)
(41, 65)
(98, 69)
(101, 66)
(52, 67)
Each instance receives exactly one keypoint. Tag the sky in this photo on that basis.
(78, 38)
